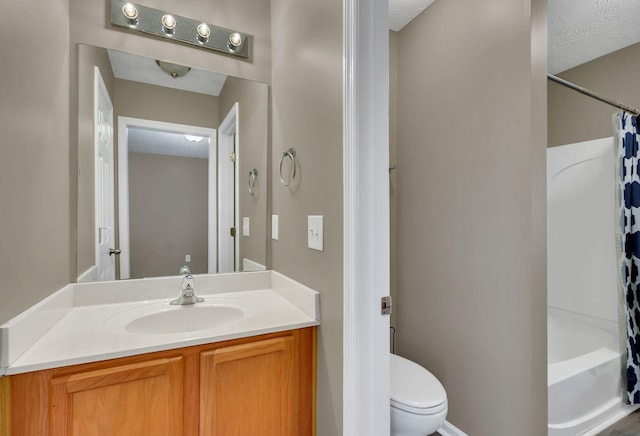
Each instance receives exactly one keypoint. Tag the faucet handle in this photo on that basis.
(188, 285)
(188, 293)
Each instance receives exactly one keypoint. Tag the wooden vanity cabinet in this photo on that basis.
(249, 389)
(261, 385)
(138, 398)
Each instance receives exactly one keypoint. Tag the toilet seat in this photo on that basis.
(414, 389)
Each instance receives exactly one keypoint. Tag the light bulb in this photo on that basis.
(168, 23)
(235, 40)
(130, 12)
(203, 32)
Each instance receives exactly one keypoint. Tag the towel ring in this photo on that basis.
(253, 178)
(291, 154)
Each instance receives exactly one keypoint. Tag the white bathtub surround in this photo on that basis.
(584, 373)
(582, 273)
(83, 323)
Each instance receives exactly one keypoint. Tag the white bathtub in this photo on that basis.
(584, 372)
(583, 348)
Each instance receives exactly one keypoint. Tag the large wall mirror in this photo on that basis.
(172, 168)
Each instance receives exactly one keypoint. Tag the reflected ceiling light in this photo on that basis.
(203, 32)
(174, 70)
(194, 138)
(168, 23)
(130, 12)
(235, 40)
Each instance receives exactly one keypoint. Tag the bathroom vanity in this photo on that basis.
(259, 385)
(107, 366)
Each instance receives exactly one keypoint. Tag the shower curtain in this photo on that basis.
(628, 160)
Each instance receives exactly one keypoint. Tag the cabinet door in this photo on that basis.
(129, 400)
(249, 389)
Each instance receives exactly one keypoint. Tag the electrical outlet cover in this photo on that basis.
(274, 226)
(245, 226)
(315, 232)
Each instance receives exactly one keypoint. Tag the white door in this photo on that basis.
(227, 162)
(104, 180)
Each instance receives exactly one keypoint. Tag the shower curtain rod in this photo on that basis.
(592, 94)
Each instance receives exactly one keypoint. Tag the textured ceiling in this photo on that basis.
(401, 12)
(579, 30)
(140, 69)
(583, 30)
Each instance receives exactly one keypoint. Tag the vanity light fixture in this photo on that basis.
(203, 32)
(166, 25)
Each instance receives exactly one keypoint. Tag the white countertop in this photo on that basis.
(88, 322)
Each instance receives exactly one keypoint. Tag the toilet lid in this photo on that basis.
(414, 388)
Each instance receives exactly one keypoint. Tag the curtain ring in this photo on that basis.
(253, 177)
(291, 154)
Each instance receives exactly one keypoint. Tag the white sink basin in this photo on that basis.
(165, 319)
(180, 319)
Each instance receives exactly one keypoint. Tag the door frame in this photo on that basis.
(365, 218)
(123, 184)
(230, 126)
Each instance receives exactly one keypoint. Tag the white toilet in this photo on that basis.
(418, 399)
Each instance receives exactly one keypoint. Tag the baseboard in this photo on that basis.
(249, 265)
(90, 275)
(449, 429)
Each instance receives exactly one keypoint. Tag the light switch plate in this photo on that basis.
(315, 233)
(187, 258)
(245, 226)
(274, 227)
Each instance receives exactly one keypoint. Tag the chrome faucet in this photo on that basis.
(188, 293)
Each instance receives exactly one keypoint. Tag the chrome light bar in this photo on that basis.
(174, 27)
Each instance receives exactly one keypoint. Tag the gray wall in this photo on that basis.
(151, 102)
(471, 297)
(168, 211)
(307, 115)
(574, 117)
(253, 114)
(39, 247)
(35, 217)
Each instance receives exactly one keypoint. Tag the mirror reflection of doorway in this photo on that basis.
(228, 157)
(167, 192)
